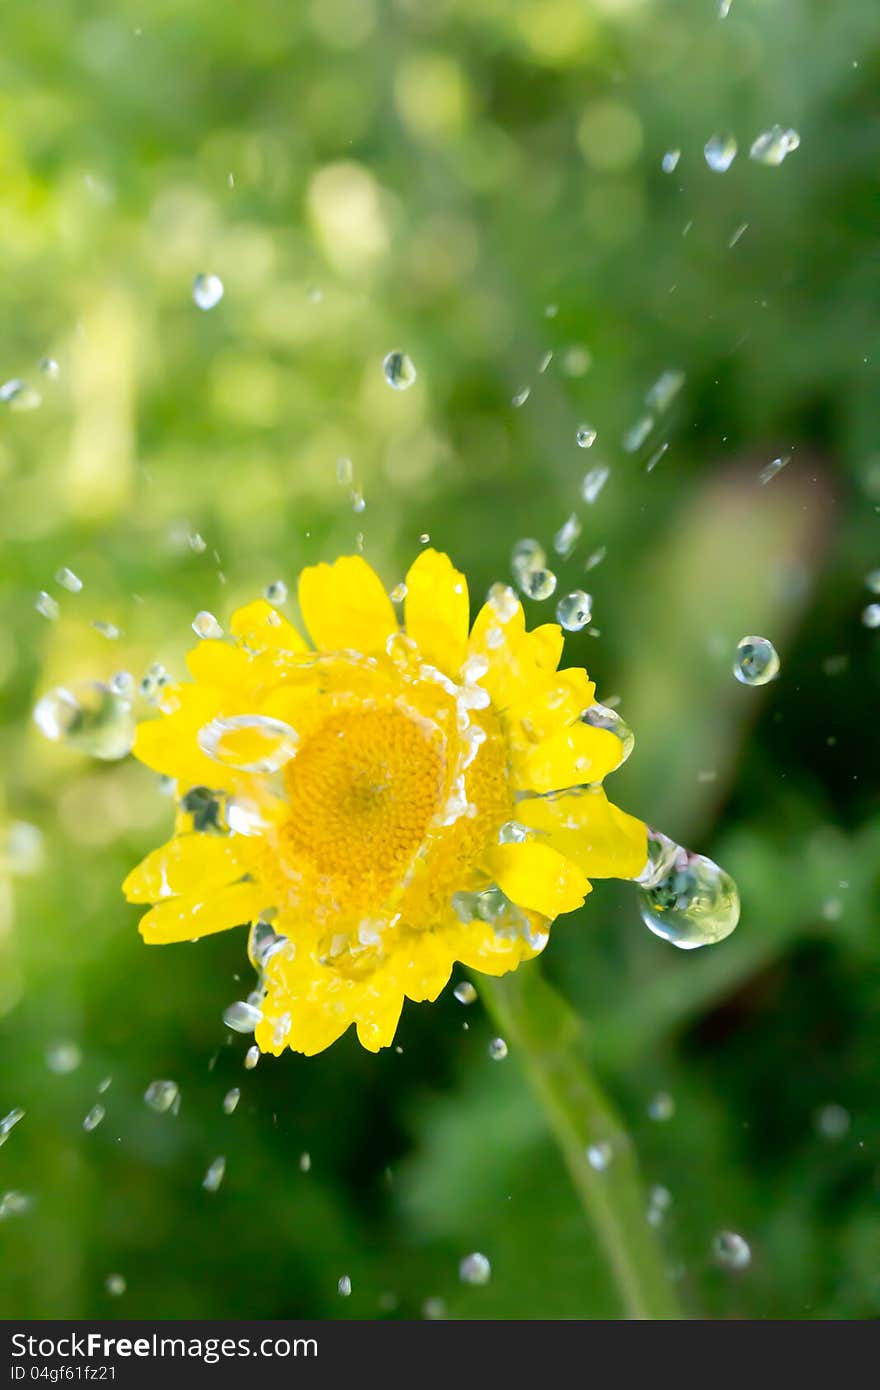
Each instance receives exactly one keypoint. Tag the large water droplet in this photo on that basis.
(249, 742)
(344, 1286)
(251, 1057)
(497, 1049)
(161, 1095)
(207, 291)
(757, 661)
(538, 584)
(720, 152)
(68, 580)
(465, 992)
(685, 898)
(399, 370)
(586, 436)
(276, 592)
(773, 145)
(89, 717)
(575, 610)
(475, 1269)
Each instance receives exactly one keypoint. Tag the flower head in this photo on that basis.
(382, 804)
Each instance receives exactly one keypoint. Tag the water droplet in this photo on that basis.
(731, 1250)
(669, 163)
(720, 152)
(108, 630)
(757, 661)
(398, 593)
(567, 536)
(63, 1057)
(21, 849)
(596, 558)
(474, 1269)
(594, 481)
(215, 1175)
(526, 555)
(231, 1099)
(205, 625)
(538, 584)
(832, 1121)
(599, 1155)
(465, 992)
(242, 1018)
(47, 606)
(19, 396)
(513, 832)
(434, 1309)
(249, 742)
(576, 360)
(276, 592)
(574, 611)
(586, 436)
(8, 1123)
(603, 717)
(49, 367)
(161, 1095)
(637, 434)
(305, 1163)
(871, 615)
(497, 1049)
(661, 1107)
(207, 291)
(197, 543)
(68, 580)
(344, 1286)
(504, 603)
(251, 1057)
(94, 1118)
(872, 581)
(15, 1204)
(400, 373)
(665, 389)
(88, 717)
(773, 145)
(521, 396)
(724, 8)
(544, 363)
(771, 469)
(115, 1285)
(685, 898)
(659, 1202)
(124, 685)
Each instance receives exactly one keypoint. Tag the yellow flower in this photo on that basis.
(383, 805)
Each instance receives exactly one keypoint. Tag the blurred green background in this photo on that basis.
(479, 183)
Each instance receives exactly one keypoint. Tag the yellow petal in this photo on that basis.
(345, 607)
(263, 629)
(589, 830)
(571, 757)
(187, 919)
(535, 876)
(436, 611)
(544, 646)
(378, 1015)
(480, 947)
(547, 706)
(218, 664)
(188, 864)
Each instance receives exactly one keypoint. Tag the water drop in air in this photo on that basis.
(465, 992)
(400, 373)
(231, 1099)
(207, 291)
(115, 1285)
(93, 1118)
(661, 1107)
(602, 717)
(670, 160)
(161, 1095)
(575, 610)
(474, 1269)
(731, 1250)
(497, 1049)
(567, 536)
(599, 1155)
(586, 436)
(756, 662)
(594, 481)
(242, 1018)
(63, 1057)
(276, 592)
(68, 580)
(47, 606)
(720, 152)
(215, 1175)
(871, 615)
(685, 898)
(206, 626)
(773, 145)
(251, 1057)
(88, 717)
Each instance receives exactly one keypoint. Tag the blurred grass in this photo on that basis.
(480, 185)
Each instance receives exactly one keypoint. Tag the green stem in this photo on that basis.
(547, 1038)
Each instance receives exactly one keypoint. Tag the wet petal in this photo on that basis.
(187, 919)
(535, 876)
(187, 864)
(263, 629)
(436, 611)
(571, 757)
(589, 830)
(345, 606)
